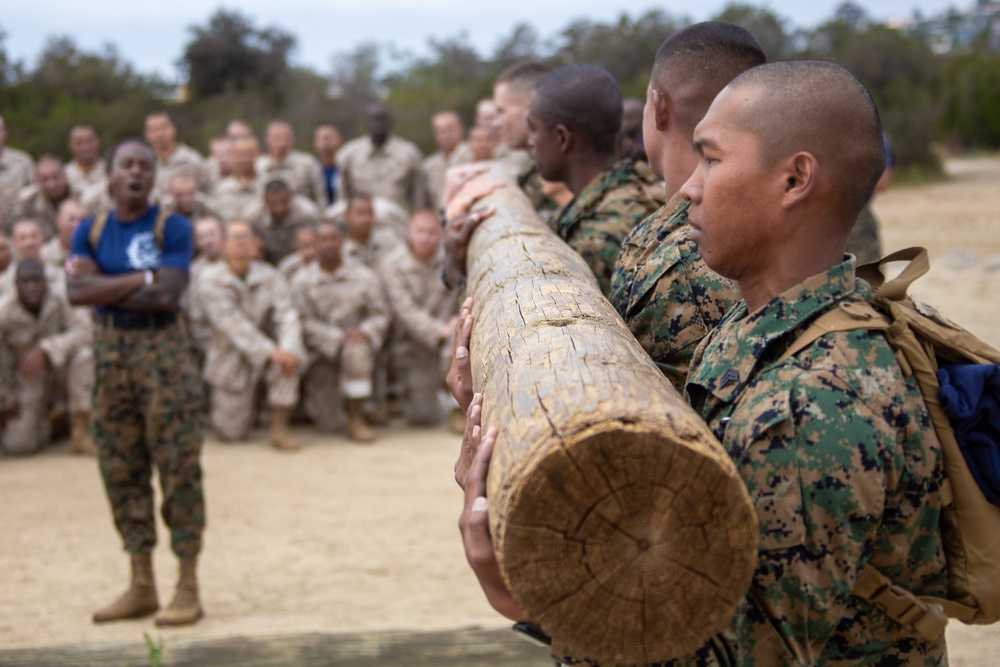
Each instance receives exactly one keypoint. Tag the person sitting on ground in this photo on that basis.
(256, 337)
(305, 254)
(345, 318)
(424, 316)
(48, 343)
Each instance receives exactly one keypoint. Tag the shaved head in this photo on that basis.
(818, 107)
(586, 100)
(694, 64)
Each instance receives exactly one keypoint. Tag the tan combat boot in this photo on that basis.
(280, 437)
(357, 427)
(139, 600)
(185, 608)
(80, 439)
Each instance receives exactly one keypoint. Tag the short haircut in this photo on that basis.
(27, 222)
(276, 185)
(522, 77)
(696, 63)
(125, 142)
(819, 107)
(27, 264)
(159, 114)
(447, 112)
(48, 158)
(239, 221)
(365, 198)
(586, 100)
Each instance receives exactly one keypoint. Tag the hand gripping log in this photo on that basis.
(620, 523)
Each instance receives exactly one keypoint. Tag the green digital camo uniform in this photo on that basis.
(840, 459)
(147, 409)
(597, 220)
(530, 181)
(667, 296)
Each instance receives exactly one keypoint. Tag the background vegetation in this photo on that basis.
(237, 70)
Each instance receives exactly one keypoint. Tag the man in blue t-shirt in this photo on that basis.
(131, 266)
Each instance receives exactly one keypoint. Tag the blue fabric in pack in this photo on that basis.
(970, 396)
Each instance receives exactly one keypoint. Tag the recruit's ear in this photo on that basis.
(800, 174)
(664, 114)
(563, 138)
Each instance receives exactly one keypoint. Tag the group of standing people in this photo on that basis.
(765, 168)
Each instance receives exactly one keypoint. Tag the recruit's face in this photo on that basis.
(447, 131)
(132, 174)
(511, 117)
(84, 145)
(329, 243)
(360, 218)
(728, 192)
(52, 180)
(31, 286)
(424, 235)
(542, 140)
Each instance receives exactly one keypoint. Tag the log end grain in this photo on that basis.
(627, 546)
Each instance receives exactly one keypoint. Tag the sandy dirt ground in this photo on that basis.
(343, 538)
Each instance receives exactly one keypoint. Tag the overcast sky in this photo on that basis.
(151, 35)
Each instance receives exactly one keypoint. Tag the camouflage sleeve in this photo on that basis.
(815, 468)
(317, 333)
(286, 318)
(598, 239)
(417, 321)
(376, 322)
(229, 321)
(77, 332)
(670, 300)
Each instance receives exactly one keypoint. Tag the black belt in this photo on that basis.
(131, 320)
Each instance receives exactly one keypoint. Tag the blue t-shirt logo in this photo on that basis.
(143, 252)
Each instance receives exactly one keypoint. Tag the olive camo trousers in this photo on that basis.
(148, 410)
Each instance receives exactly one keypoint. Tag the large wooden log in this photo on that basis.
(619, 522)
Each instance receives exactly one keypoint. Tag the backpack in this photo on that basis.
(970, 524)
(97, 228)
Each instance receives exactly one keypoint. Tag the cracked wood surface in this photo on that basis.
(619, 522)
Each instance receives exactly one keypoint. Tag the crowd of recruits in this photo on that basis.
(834, 443)
(365, 188)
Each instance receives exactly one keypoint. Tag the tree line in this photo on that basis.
(235, 69)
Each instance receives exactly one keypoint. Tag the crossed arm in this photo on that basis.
(87, 286)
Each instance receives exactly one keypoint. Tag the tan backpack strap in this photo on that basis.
(95, 231)
(896, 289)
(846, 316)
(160, 225)
(925, 615)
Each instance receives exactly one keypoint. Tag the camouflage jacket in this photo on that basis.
(530, 182)
(249, 317)
(840, 458)
(352, 296)
(598, 219)
(419, 301)
(667, 296)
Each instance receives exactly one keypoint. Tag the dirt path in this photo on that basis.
(340, 538)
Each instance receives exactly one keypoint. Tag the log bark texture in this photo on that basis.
(620, 523)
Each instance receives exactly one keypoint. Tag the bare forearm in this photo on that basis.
(149, 298)
(102, 290)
